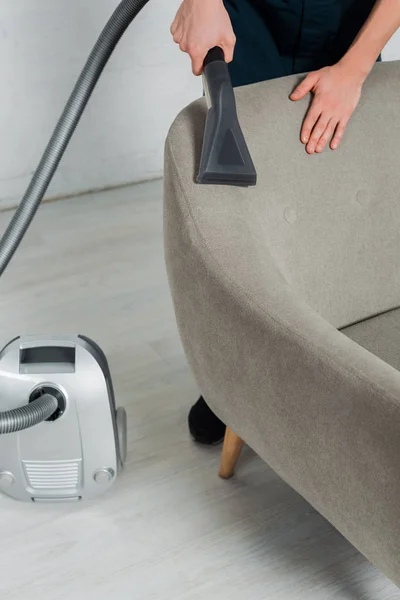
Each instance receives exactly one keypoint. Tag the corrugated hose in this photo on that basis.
(27, 416)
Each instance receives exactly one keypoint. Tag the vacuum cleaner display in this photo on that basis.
(69, 441)
(225, 158)
(61, 436)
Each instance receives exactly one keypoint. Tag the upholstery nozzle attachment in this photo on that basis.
(225, 158)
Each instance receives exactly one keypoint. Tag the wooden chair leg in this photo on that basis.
(233, 445)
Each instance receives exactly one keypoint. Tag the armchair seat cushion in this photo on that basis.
(380, 335)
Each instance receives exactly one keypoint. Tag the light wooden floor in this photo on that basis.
(170, 529)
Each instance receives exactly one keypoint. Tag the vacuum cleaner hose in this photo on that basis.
(27, 416)
(109, 38)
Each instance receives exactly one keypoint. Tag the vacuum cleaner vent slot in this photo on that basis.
(47, 359)
(65, 475)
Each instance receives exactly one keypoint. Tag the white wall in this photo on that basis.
(43, 46)
(392, 50)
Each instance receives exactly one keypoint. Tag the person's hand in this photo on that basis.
(200, 25)
(336, 92)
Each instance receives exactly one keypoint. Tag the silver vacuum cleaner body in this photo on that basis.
(78, 452)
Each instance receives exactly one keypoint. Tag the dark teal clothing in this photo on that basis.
(275, 38)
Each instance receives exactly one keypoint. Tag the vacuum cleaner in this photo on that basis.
(62, 438)
(67, 442)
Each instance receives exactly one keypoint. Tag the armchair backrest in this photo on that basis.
(331, 220)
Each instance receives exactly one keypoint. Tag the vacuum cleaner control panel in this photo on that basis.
(77, 453)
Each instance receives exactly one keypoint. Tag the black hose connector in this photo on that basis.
(213, 55)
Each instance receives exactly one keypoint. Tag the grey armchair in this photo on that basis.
(287, 299)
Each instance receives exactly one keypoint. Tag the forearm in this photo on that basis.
(382, 23)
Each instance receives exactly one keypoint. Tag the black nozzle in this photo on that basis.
(225, 158)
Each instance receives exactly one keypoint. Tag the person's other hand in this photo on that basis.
(336, 94)
(200, 25)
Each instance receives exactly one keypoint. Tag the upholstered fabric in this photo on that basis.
(264, 279)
